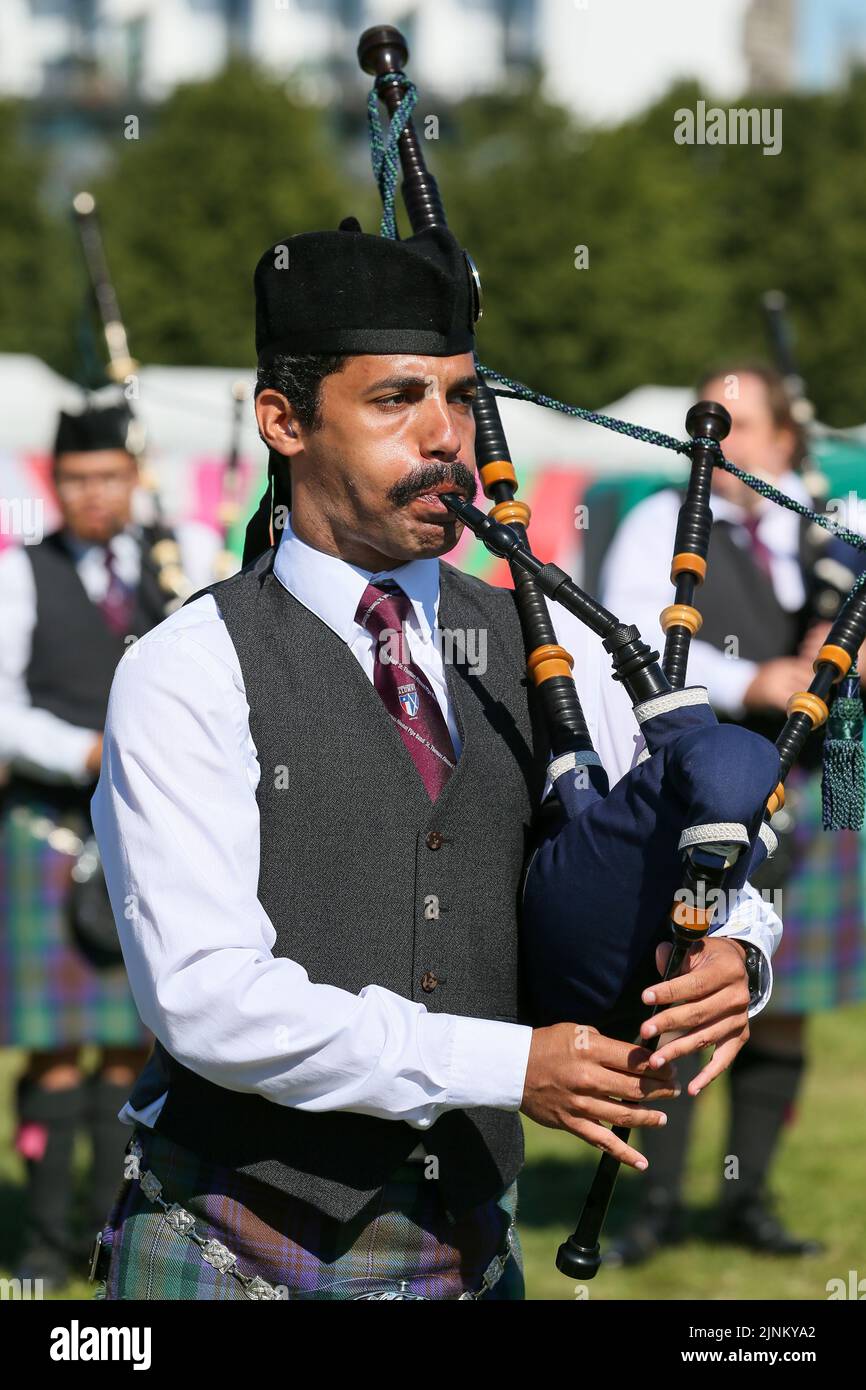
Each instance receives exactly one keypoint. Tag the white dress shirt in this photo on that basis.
(641, 590)
(34, 741)
(177, 821)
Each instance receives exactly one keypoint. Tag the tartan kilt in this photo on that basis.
(404, 1235)
(50, 996)
(821, 960)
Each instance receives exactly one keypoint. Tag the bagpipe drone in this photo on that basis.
(121, 368)
(660, 855)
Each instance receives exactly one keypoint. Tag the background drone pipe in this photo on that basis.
(164, 551)
(705, 422)
(121, 363)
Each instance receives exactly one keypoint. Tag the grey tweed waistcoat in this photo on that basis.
(367, 882)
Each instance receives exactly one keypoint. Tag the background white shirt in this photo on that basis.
(640, 589)
(34, 741)
(177, 821)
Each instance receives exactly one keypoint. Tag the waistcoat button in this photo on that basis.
(429, 981)
(434, 840)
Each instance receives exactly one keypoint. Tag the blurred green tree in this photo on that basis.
(35, 304)
(680, 243)
(680, 240)
(231, 165)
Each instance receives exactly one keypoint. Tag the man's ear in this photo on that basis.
(278, 423)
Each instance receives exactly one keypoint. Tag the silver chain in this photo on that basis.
(255, 1287)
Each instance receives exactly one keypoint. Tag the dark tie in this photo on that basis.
(118, 603)
(761, 553)
(405, 690)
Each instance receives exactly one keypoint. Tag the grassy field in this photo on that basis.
(819, 1179)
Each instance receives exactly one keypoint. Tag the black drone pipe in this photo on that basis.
(383, 52)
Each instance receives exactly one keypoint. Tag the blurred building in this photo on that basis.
(606, 59)
(769, 41)
(97, 48)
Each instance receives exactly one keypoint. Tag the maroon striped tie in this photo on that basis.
(405, 691)
(761, 553)
(119, 600)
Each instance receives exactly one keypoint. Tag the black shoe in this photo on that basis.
(47, 1247)
(755, 1225)
(659, 1223)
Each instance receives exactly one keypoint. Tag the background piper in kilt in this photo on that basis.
(762, 604)
(68, 607)
(320, 814)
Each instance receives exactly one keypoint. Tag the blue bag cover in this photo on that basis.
(601, 883)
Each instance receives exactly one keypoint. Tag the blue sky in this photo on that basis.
(826, 32)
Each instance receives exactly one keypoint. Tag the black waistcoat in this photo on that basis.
(74, 652)
(366, 882)
(738, 600)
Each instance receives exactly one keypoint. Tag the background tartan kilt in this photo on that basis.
(404, 1235)
(821, 960)
(50, 996)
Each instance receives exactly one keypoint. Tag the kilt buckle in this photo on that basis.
(100, 1257)
(391, 1295)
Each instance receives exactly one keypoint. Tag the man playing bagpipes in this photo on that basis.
(70, 606)
(774, 583)
(315, 817)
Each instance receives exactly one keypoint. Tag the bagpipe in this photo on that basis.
(664, 853)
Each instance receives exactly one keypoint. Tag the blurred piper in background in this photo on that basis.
(765, 608)
(70, 607)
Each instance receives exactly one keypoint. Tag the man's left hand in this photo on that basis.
(708, 1006)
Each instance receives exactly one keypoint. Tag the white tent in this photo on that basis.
(187, 410)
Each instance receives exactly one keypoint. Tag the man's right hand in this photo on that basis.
(578, 1080)
(776, 681)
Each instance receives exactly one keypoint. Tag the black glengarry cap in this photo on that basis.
(92, 429)
(348, 292)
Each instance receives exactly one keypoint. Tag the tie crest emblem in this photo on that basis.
(408, 697)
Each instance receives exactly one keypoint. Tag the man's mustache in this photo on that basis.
(422, 480)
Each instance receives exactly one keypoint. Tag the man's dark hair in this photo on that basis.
(300, 379)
